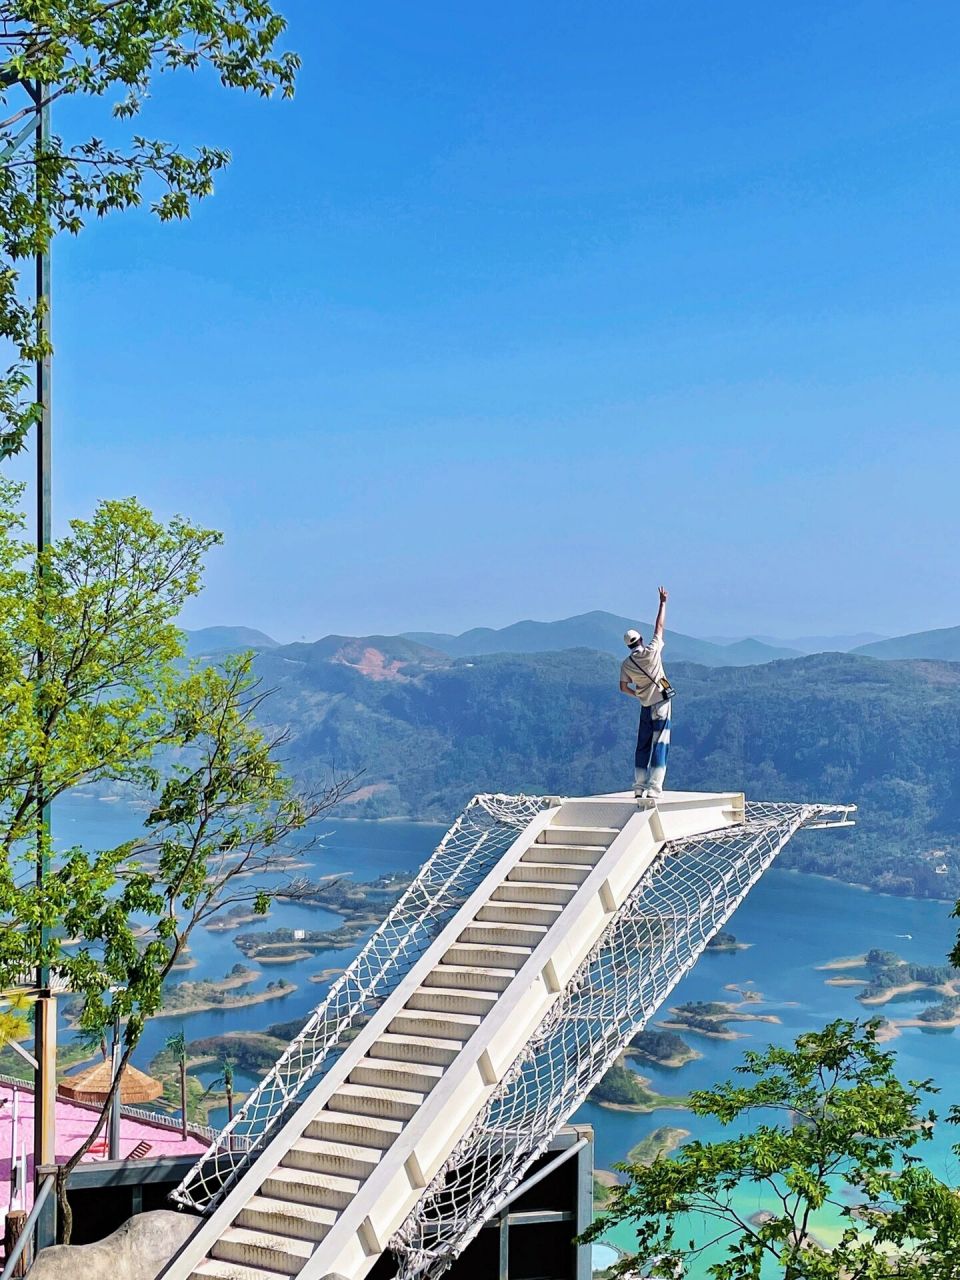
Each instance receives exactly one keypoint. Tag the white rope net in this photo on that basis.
(688, 894)
(469, 850)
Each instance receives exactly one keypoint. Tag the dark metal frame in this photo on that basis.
(45, 1020)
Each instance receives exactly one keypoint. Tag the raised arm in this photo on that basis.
(661, 613)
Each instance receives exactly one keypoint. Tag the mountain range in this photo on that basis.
(943, 643)
(597, 630)
(424, 731)
(212, 640)
(604, 632)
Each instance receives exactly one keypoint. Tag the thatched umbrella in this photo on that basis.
(93, 1085)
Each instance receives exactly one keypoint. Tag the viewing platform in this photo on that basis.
(532, 946)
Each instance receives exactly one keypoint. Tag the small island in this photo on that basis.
(891, 976)
(657, 1145)
(210, 993)
(361, 904)
(279, 945)
(844, 962)
(252, 1052)
(665, 1048)
(724, 941)
(604, 1182)
(936, 1017)
(710, 1018)
(326, 975)
(232, 919)
(624, 1090)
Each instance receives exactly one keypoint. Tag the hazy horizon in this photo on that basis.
(860, 637)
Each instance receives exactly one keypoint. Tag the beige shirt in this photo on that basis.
(643, 668)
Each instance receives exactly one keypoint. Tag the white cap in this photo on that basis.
(631, 637)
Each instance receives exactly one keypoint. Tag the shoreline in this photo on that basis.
(441, 825)
(908, 988)
(843, 962)
(239, 1002)
(656, 1101)
(725, 1034)
(326, 975)
(673, 1063)
(942, 1024)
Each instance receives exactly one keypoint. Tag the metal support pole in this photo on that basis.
(114, 1122)
(503, 1271)
(45, 1042)
(45, 1078)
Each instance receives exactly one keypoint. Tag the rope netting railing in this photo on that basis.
(470, 849)
(655, 938)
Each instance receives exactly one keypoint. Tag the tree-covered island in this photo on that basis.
(665, 1048)
(624, 1090)
(710, 1018)
(362, 904)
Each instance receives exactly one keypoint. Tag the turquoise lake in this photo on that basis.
(792, 922)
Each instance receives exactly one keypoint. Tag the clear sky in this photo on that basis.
(521, 308)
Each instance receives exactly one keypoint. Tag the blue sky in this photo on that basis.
(519, 309)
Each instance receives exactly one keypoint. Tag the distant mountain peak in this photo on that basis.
(942, 644)
(209, 640)
(598, 630)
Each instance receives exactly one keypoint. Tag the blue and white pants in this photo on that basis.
(653, 743)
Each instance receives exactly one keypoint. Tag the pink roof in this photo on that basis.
(74, 1122)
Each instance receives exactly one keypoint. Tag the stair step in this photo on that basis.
(452, 1000)
(586, 855)
(511, 935)
(535, 872)
(395, 1075)
(510, 959)
(283, 1216)
(214, 1269)
(361, 1131)
(423, 1022)
(557, 834)
(323, 1194)
(472, 976)
(540, 891)
(519, 912)
(262, 1249)
(394, 1048)
(319, 1155)
(367, 1099)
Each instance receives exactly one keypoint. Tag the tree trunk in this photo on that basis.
(229, 1103)
(16, 1221)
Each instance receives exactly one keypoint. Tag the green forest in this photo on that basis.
(424, 732)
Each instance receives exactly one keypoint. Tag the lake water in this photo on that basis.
(793, 923)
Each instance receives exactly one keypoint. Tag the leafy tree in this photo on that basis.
(114, 49)
(825, 1122)
(15, 1010)
(112, 701)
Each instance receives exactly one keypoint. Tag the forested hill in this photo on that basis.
(428, 731)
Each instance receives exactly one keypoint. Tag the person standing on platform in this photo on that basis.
(642, 677)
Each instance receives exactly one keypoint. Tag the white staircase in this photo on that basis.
(328, 1191)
